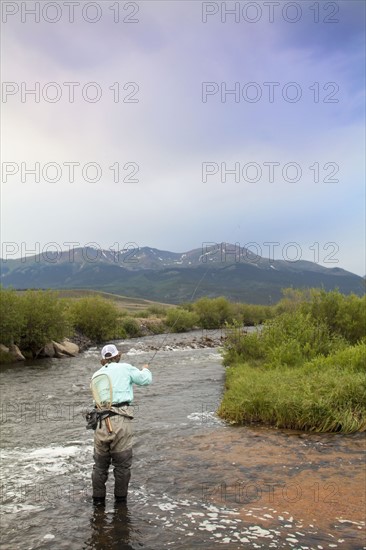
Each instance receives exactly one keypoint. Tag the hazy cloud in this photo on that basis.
(164, 138)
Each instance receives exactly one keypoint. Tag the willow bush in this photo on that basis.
(344, 315)
(30, 319)
(12, 319)
(45, 320)
(130, 327)
(181, 320)
(96, 317)
(213, 312)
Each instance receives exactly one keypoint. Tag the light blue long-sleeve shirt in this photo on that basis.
(122, 376)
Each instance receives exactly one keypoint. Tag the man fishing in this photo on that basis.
(113, 394)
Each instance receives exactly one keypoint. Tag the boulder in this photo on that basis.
(57, 350)
(48, 350)
(82, 341)
(16, 354)
(4, 349)
(65, 348)
(71, 347)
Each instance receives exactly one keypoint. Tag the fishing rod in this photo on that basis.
(177, 319)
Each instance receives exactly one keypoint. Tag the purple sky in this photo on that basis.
(175, 132)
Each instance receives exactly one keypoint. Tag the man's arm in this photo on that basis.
(141, 377)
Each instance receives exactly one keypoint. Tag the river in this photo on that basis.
(196, 481)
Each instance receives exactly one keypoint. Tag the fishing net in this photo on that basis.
(101, 387)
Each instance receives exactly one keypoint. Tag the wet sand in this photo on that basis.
(309, 489)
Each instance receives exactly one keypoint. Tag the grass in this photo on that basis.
(305, 369)
(327, 394)
(124, 303)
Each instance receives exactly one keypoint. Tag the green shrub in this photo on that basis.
(189, 306)
(292, 300)
(158, 311)
(252, 314)
(181, 320)
(292, 338)
(12, 319)
(214, 313)
(239, 345)
(130, 327)
(44, 320)
(289, 339)
(124, 313)
(142, 314)
(344, 315)
(351, 319)
(154, 327)
(95, 317)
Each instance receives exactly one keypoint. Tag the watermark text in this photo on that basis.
(70, 12)
(253, 252)
(269, 92)
(69, 92)
(69, 172)
(269, 172)
(270, 12)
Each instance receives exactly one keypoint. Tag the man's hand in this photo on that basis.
(145, 367)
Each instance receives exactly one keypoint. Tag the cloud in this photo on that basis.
(170, 132)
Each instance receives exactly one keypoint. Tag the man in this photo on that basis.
(113, 436)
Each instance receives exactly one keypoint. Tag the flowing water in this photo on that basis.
(196, 482)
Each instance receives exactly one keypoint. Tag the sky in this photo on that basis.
(171, 124)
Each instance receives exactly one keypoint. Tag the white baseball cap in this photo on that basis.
(110, 350)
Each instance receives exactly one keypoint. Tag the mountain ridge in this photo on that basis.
(150, 273)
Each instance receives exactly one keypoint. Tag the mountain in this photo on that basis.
(215, 270)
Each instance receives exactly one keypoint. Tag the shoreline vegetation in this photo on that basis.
(303, 368)
(35, 320)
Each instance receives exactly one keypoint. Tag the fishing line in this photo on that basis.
(177, 319)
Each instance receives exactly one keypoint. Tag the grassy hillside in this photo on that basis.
(132, 305)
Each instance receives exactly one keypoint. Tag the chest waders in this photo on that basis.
(111, 446)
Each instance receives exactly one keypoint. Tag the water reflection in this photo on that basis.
(112, 529)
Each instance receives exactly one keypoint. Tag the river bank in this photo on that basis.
(194, 339)
(79, 343)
